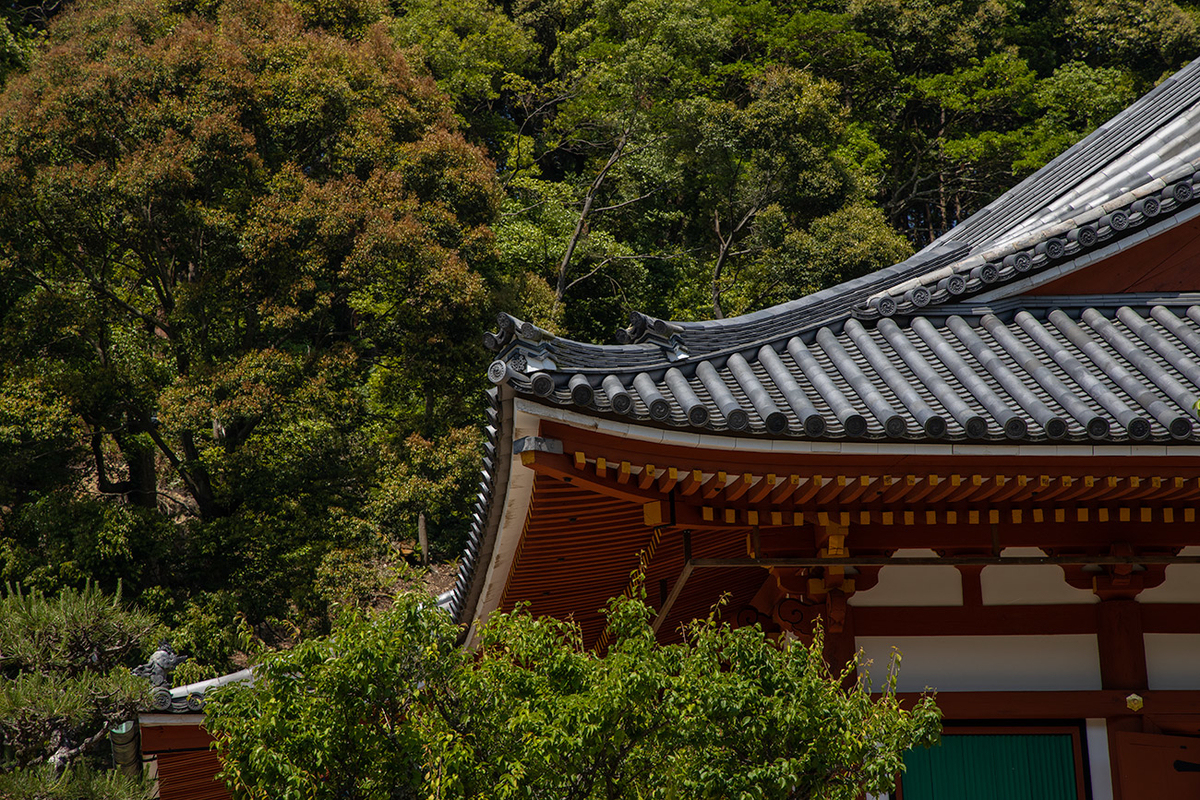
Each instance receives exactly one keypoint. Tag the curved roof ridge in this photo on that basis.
(1119, 150)
(837, 299)
(1062, 241)
(649, 340)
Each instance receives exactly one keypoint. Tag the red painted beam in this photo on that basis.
(977, 621)
(731, 461)
(1014, 620)
(1058, 705)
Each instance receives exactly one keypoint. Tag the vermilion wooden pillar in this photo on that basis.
(1122, 666)
(839, 642)
(972, 586)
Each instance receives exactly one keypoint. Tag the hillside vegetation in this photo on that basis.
(248, 249)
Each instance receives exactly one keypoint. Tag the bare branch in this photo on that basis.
(626, 203)
(520, 211)
(590, 274)
(581, 222)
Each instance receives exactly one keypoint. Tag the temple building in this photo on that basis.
(986, 457)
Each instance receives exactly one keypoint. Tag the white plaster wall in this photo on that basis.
(1182, 584)
(1173, 660)
(913, 586)
(987, 663)
(1022, 585)
(1099, 769)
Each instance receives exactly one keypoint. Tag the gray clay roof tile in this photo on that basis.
(1056, 370)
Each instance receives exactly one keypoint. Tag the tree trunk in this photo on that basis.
(196, 478)
(581, 223)
(718, 312)
(724, 243)
(423, 539)
(143, 474)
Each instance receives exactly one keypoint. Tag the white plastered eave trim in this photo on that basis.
(517, 495)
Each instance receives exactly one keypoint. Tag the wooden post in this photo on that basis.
(423, 539)
(1121, 645)
(1122, 666)
(840, 646)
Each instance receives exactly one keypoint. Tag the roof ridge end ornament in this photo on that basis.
(523, 363)
(513, 328)
(644, 326)
(495, 341)
(633, 333)
(507, 326)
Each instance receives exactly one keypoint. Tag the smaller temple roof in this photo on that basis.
(190, 699)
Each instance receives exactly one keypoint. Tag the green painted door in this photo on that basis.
(993, 767)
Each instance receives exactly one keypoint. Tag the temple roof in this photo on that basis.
(1050, 369)
(190, 699)
(1020, 325)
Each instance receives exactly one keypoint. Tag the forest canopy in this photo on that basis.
(248, 249)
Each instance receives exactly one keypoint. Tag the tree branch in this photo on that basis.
(581, 222)
(626, 203)
(65, 755)
(102, 481)
(590, 274)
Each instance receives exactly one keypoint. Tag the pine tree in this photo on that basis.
(65, 680)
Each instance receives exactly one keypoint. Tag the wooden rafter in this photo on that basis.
(691, 483)
(722, 499)
(646, 477)
(761, 489)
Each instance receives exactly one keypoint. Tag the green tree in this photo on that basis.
(389, 707)
(643, 143)
(64, 681)
(340, 717)
(621, 128)
(967, 97)
(22, 30)
(763, 170)
(244, 249)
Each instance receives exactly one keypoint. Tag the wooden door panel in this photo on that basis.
(1153, 766)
